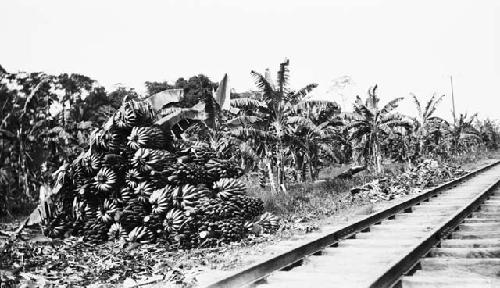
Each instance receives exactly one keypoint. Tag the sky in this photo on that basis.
(402, 46)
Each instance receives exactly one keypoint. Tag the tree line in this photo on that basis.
(275, 131)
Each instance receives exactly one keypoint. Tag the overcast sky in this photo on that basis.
(403, 46)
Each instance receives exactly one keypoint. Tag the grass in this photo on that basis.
(329, 195)
(323, 197)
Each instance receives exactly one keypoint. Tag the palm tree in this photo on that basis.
(489, 132)
(263, 120)
(424, 117)
(311, 142)
(369, 124)
(463, 135)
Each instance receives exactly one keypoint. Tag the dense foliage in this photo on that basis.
(45, 121)
(280, 133)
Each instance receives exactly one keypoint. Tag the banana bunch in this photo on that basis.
(216, 209)
(105, 213)
(147, 160)
(195, 174)
(123, 196)
(269, 222)
(133, 114)
(133, 213)
(161, 200)
(183, 173)
(143, 191)
(117, 232)
(56, 225)
(224, 230)
(249, 207)
(228, 188)
(88, 163)
(133, 177)
(105, 180)
(95, 230)
(186, 196)
(114, 162)
(174, 220)
(232, 229)
(141, 235)
(113, 140)
(187, 236)
(146, 137)
(217, 169)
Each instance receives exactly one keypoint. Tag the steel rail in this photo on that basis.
(391, 277)
(263, 269)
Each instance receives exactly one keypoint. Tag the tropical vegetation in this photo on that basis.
(277, 132)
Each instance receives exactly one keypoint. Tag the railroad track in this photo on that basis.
(403, 246)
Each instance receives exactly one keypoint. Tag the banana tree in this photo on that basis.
(369, 124)
(489, 132)
(263, 120)
(311, 145)
(463, 135)
(424, 117)
(24, 119)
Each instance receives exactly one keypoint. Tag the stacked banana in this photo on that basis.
(133, 185)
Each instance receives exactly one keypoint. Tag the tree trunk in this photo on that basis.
(271, 176)
(279, 173)
(377, 159)
(299, 163)
(262, 175)
(421, 147)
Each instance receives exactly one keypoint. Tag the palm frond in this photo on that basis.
(283, 74)
(262, 83)
(351, 117)
(32, 96)
(243, 120)
(357, 124)
(372, 99)
(437, 119)
(359, 133)
(417, 103)
(245, 133)
(247, 103)
(392, 117)
(304, 91)
(469, 136)
(402, 123)
(364, 112)
(196, 112)
(393, 104)
(432, 106)
(304, 122)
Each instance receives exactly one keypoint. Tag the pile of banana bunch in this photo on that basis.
(134, 184)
